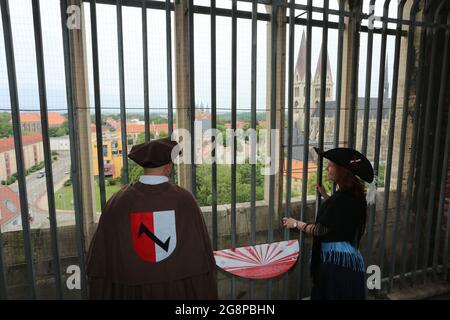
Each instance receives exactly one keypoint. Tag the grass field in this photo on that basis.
(64, 197)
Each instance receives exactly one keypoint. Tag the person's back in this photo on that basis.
(151, 243)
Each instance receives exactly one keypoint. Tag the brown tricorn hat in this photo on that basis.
(153, 154)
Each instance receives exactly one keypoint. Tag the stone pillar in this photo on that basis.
(411, 101)
(280, 70)
(347, 54)
(82, 124)
(182, 77)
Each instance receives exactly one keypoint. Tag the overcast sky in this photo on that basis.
(22, 24)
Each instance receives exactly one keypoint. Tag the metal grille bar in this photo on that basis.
(98, 111)
(15, 115)
(46, 145)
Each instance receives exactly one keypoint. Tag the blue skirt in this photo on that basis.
(341, 274)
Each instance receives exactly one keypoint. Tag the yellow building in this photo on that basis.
(112, 156)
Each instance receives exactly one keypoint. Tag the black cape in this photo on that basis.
(151, 243)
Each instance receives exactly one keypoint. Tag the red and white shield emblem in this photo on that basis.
(154, 234)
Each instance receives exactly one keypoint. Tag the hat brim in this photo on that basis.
(319, 152)
(366, 174)
(153, 154)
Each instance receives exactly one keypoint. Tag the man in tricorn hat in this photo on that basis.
(151, 241)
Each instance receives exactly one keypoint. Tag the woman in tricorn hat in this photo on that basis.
(337, 266)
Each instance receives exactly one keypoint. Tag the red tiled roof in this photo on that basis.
(6, 194)
(140, 128)
(131, 127)
(30, 117)
(54, 118)
(7, 144)
(135, 128)
(159, 127)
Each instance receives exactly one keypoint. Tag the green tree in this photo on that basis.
(158, 118)
(243, 185)
(312, 181)
(245, 173)
(141, 137)
(381, 174)
(134, 171)
(59, 131)
(6, 130)
(163, 134)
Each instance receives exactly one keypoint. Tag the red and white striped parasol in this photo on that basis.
(261, 261)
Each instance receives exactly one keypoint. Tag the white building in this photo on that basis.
(60, 143)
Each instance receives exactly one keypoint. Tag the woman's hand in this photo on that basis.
(292, 223)
(322, 191)
(289, 222)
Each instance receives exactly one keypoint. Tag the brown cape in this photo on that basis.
(119, 262)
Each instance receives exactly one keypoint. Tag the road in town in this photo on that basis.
(37, 192)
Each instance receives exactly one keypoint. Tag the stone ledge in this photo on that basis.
(421, 292)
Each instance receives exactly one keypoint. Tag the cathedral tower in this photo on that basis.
(300, 84)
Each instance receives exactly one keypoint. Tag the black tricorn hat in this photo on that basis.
(350, 159)
(153, 154)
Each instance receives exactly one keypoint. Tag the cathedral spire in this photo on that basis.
(300, 66)
(386, 80)
(319, 68)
